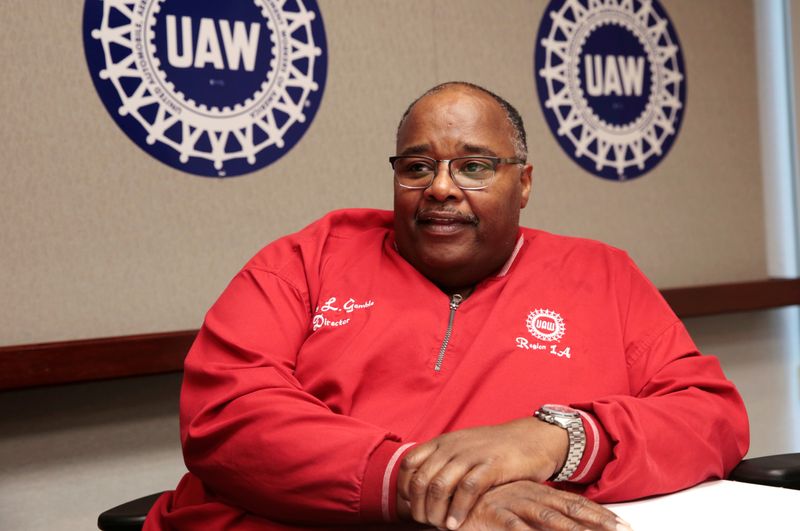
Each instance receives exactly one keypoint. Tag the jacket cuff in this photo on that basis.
(379, 488)
(597, 453)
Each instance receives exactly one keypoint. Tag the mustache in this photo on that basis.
(428, 214)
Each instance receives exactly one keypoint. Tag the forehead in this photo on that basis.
(454, 117)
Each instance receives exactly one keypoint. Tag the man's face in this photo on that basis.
(456, 237)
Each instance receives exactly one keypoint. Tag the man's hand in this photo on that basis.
(524, 505)
(441, 480)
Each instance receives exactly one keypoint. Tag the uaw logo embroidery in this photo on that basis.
(545, 325)
(611, 83)
(211, 88)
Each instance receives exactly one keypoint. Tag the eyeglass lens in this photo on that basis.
(467, 172)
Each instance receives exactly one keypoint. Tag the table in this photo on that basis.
(728, 505)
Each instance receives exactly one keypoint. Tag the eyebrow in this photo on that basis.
(472, 149)
(420, 149)
(479, 150)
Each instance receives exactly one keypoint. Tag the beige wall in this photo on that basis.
(100, 239)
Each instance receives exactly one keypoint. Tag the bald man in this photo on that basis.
(439, 365)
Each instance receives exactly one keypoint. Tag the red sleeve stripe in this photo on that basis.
(387, 480)
(594, 440)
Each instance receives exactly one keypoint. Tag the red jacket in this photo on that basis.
(318, 365)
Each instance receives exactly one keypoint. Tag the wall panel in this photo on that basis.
(99, 239)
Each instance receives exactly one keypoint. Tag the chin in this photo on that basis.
(444, 261)
(443, 264)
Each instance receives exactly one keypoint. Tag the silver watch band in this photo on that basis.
(577, 443)
(570, 420)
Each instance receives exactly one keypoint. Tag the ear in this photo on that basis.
(526, 182)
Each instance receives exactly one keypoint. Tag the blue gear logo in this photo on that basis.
(611, 83)
(212, 88)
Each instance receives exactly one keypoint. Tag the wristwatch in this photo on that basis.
(569, 419)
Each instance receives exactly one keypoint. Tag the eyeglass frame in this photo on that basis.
(497, 161)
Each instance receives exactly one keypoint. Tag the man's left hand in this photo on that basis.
(441, 480)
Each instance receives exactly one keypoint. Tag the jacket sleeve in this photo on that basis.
(683, 421)
(251, 433)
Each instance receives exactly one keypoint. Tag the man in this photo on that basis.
(443, 366)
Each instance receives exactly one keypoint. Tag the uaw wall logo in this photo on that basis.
(211, 88)
(611, 83)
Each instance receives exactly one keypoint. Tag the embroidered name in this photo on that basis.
(320, 321)
(349, 306)
(331, 306)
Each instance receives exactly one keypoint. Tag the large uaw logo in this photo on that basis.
(209, 87)
(611, 83)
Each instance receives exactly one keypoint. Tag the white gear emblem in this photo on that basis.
(226, 138)
(640, 90)
(546, 325)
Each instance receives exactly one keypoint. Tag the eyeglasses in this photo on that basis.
(469, 173)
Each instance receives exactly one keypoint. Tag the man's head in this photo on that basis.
(458, 237)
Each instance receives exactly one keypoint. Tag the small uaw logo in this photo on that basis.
(211, 88)
(611, 83)
(545, 325)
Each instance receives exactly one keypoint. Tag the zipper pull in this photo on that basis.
(455, 301)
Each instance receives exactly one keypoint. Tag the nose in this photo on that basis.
(443, 188)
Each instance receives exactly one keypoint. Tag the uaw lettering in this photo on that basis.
(613, 75)
(546, 325)
(211, 88)
(213, 37)
(611, 83)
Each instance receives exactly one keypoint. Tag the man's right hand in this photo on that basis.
(526, 505)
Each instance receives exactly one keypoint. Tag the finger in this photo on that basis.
(417, 489)
(505, 519)
(420, 484)
(544, 517)
(417, 455)
(441, 489)
(471, 487)
(555, 509)
(410, 463)
(403, 509)
(586, 512)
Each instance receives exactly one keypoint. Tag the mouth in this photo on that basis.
(444, 221)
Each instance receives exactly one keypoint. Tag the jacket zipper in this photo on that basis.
(454, 302)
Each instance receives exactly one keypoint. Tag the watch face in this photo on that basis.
(556, 409)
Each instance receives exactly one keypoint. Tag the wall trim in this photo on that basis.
(696, 301)
(62, 362)
(93, 359)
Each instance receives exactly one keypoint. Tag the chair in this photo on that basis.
(128, 516)
(781, 470)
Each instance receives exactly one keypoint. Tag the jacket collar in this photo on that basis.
(504, 270)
